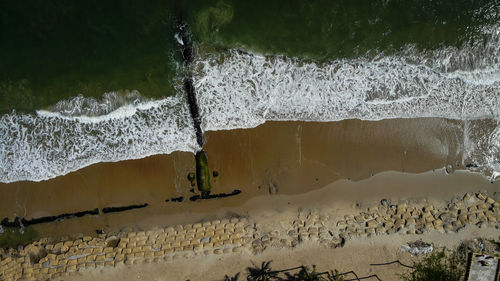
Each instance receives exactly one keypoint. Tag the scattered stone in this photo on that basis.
(417, 248)
(385, 203)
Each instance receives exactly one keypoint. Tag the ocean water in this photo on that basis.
(87, 83)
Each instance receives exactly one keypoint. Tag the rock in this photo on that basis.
(472, 218)
(481, 196)
(439, 228)
(405, 215)
(380, 230)
(370, 230)
(481, 217)
(391, 230)
(489, 200)
(371, 223)
(448, 227)
(428, 226)
(388, 224)
(467, 197)
(429, 219)
(359, 219)
(437, 222)
(462, 217)
(457, 224)
(492, 218)
(341, 224)
(385, 203)
(447, 217)
(483, 206)
(399, 222)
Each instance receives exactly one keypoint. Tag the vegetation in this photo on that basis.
(11, 237)
(438, 266)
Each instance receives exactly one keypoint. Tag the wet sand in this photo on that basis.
(277, 157)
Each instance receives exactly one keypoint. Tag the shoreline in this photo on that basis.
(278, 158)
(306, 188)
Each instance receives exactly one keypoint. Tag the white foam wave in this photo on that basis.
(247, 90)
(49, 144)
(242, 90)
(121, 112)
(89, 106)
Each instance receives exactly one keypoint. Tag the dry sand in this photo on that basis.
(357, 256)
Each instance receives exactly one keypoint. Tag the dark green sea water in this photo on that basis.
(51, 50)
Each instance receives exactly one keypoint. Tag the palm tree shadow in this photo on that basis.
(234, 278)
(262, 273)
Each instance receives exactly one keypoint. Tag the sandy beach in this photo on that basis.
(279, 218)
(196, 140)
(292, 157)
(284, 170)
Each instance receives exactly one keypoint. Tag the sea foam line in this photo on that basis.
(246, 90)
(45, 145)
(243, 90)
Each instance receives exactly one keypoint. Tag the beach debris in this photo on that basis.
(273, 188)
(123, 208)
(20, 222)
(448, 169)
(175, 199)
(112, 241)
(191, 178)
(384, 202)
(213, 196)
(418, 247)
(483, 267)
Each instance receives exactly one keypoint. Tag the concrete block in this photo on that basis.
(139, 255)
(149, 254)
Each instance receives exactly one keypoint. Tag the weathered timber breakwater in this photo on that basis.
(202, 169)
(22, 222)
(48, 258)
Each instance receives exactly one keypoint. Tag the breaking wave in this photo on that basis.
(88, 106)
(48, 144)
(243, 90)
